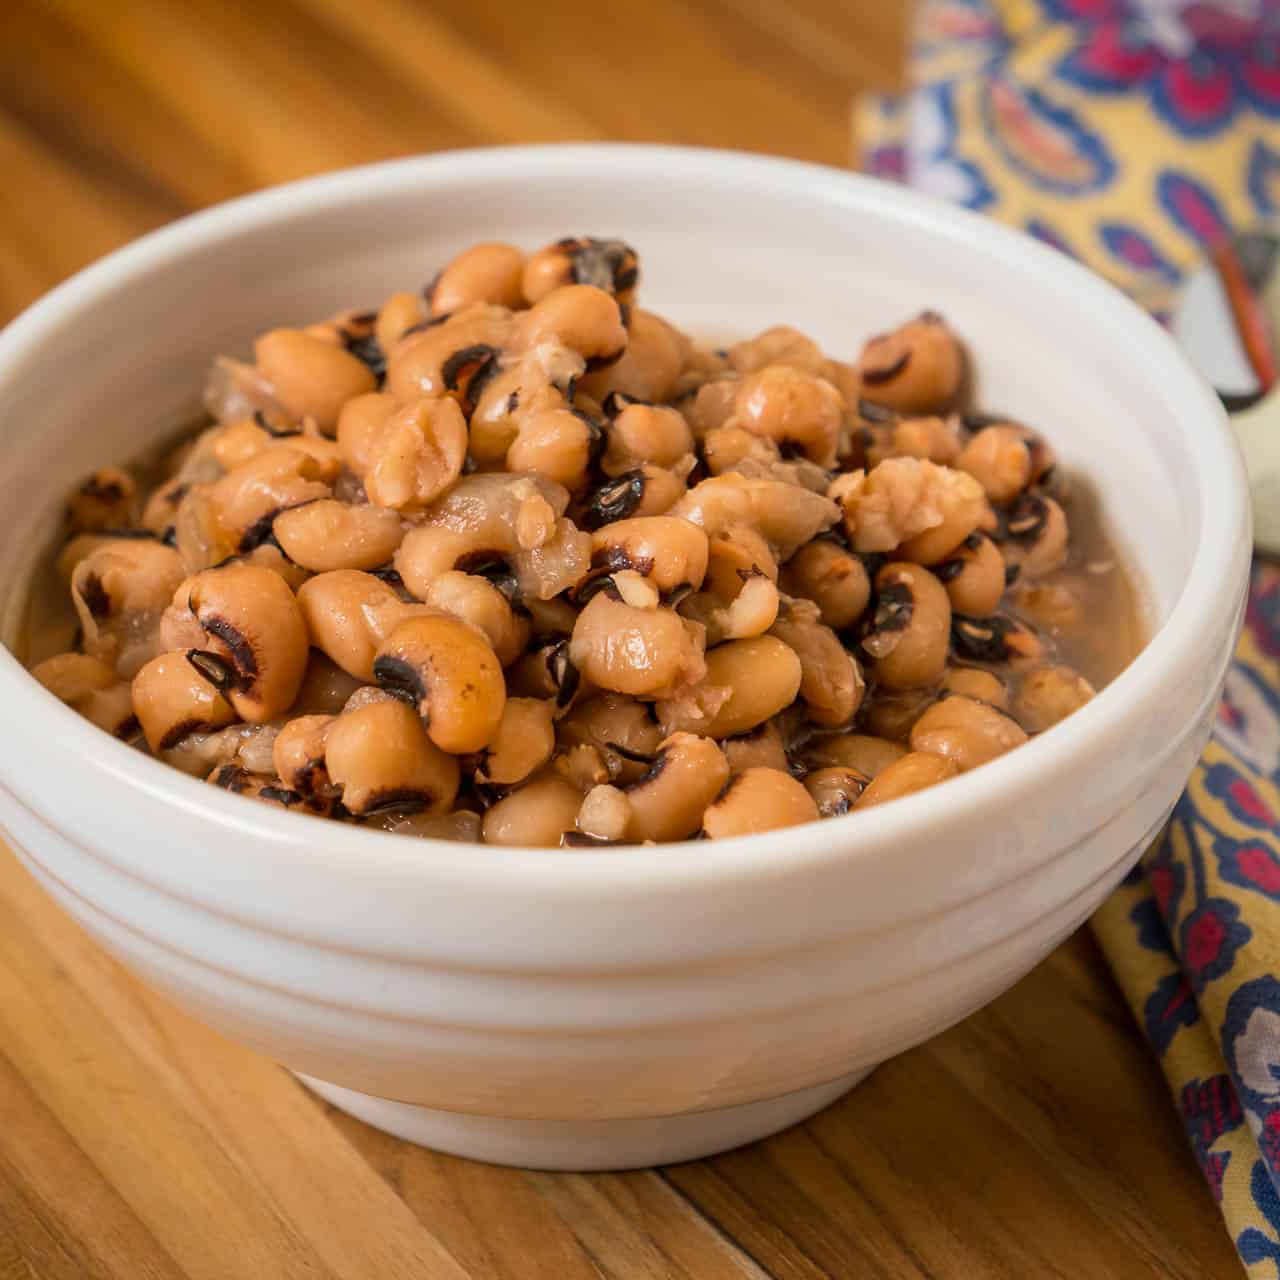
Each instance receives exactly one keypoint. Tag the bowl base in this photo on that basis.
(585, 1145)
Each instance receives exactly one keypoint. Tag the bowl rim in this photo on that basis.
(1167, 659)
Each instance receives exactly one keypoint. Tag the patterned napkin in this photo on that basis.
(1132, 134)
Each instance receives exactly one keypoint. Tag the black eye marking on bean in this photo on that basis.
(281, 795)
(241, 650)
(872, 562)
(1025, 521)
(679, 593)
(231, 777)
(564, 675)
(368, 350)
(390, 576)
(653, 772)
(928, 316)
(127, 535)
(983, 639)
(170, 536)
(616, 559)
(790, 450)
(105, 490)
(128, 728)
(895, 604)
(607, 264)
(629, 753)
(948, 570)
(593, 586)
(493, 567)
(616, 401)
(580, 840)
(429, 291)
(214, 668)
(423, 325)
(363, 318)
(599, 438)
(975, 422)
(877, 413)
(95, 596)
(615, 500)
(260, 533)
(475, 365)
(875, 377)
(513, 402)
(180, 731)
(402, 802)
(1012, 572)
(400, 679)
(278, 433)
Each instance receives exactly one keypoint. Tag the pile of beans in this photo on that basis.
(515, 560)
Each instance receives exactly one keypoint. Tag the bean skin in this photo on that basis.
(488, 272)
(861, 752)
(327, 535)
(746, 682)
(758, 800)
(969, 732)
(311, 378)
(536, 814)
(974, 575)
(918, 368)
(911, 631)
(913, 772)
(1049, 695)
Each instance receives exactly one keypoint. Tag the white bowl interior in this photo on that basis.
(721, 263)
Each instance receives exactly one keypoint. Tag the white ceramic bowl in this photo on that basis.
(625, 1006)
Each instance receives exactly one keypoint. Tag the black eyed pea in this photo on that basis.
(448, 671)
(974, 575)
(297, 755)
(579, 316)
(454, 359)
(556, 443)
(251, 619)
(534, 815)
(399, 313)
(621, 729)
(758, 800)
(935, 439)
(610, 265)
(605, 814)
(103, 501)
(462, 825)
(476, 600)
(325, 535)
(639, 433)
(309, 377)
(416, 455)
(910, 633)
(791, 408)
(999, 459)
(996, 639)
(523, 743)
(918, 368)
(780, 345)
(835, 790)
(913, 772)
(751, 612)
(670, 552)
(974, 682)
(891, 714)
(831, 681)
(763, 748)
(359, 424)
(833, 578)
(347, 615)
(487, 272)
(1048, 695)
(668, 801)
(650, 367)
(177, 694)
(746, 682)
(379, 759)
(239, 781)
(90, 686)
(641, 652)
(246, 501)
(967, 731)
(863, 753)
(1036, 541)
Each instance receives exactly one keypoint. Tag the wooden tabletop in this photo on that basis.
(1035, 1139)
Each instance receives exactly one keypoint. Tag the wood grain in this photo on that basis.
(1035, 1139)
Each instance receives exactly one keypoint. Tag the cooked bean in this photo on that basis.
(781, 345)
(380, 759)
(910, 631)
(619, 727)
(857, 751)
(996, 639)
(790, 407)
(835, 790)
(610, 265)
(535, 815)
(763, 747)
(785, 516)
(347, 615)
(974, 682)
(1048, 695)
(974, 575)
(581, 317)
(461, 825)
(891, 714)
(758, 800)
(751, 612)
(311, 378)
(523, 742)
(298, 755)
(935, 439)
(668, 802)
(454, 359)
(246, 501)
(555, 443)
(999, 460)
(487, 272)
(650, 367)
(103, 501)
(918, 368)
(581, 766)
(671, 552)
(639, 433)
(479, 602)
(326, 535)
(238, 780)
(1058, 606)
(915, 771)
(746, 682)
(605, 814)
(1036, 540)
(642, 652)
(416, 455)
(834, 579)
(830, 679)
(711, 406)
(451, 674)
(251, 619)
(400, 312)
(173, 696)
(91, 687)
(966, 731)
(359, 424)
